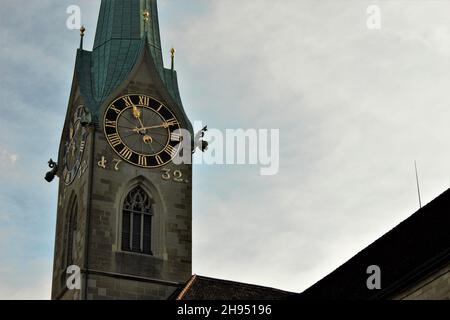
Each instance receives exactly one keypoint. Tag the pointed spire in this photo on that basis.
(119, 20)
(129, 20)
(151, 29)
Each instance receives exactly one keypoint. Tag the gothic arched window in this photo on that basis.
(137, 222)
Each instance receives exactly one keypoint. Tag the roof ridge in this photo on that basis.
(242, 283)
(189, 285)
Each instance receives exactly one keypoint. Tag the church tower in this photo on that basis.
(124, 207)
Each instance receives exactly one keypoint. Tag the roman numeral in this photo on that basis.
(142, 161)
(159, 109)
(111, 124)
(170, 150)
(175, 137)
(159, 160)
(115, 109)
(126, 153)
(82, 146)
(114, 139)
(128, 101)
(172, 122)
(144, 101)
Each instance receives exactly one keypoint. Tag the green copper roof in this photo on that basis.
(120, 38)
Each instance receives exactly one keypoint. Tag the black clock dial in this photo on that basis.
(142, 131)
(74, 147)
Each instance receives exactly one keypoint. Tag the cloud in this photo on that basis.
(354, 107)
(7, 158)
(36, 60)
(26, 280)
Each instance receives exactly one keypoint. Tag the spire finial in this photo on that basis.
(146, 15)
(82, 31)
(172, 56)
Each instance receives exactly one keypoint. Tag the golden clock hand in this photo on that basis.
(140, 121)
(164, 125)
(137, 114)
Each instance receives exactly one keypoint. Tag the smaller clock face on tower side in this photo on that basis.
(142, 131)
(74, 147)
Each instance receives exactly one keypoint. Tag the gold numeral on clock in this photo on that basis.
(143, 161)
(144, 101)
(126, 153)
(159, 160)
(170, 150)
(111, 124)
(115, 109)
(114, 139)
(172, 122)
(175, 137)
(128, 101)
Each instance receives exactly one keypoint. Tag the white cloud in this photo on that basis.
(355, 109)
(7, 158)
(26, 280)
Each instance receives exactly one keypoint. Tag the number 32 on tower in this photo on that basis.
(177, 176)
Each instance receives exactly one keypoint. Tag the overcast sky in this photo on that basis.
(355, 108)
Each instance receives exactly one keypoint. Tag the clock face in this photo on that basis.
(142, 131)
(74, 148)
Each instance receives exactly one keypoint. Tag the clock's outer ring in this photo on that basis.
(117, 153)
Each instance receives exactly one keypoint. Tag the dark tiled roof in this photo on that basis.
(203, 288)
(407, 253)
